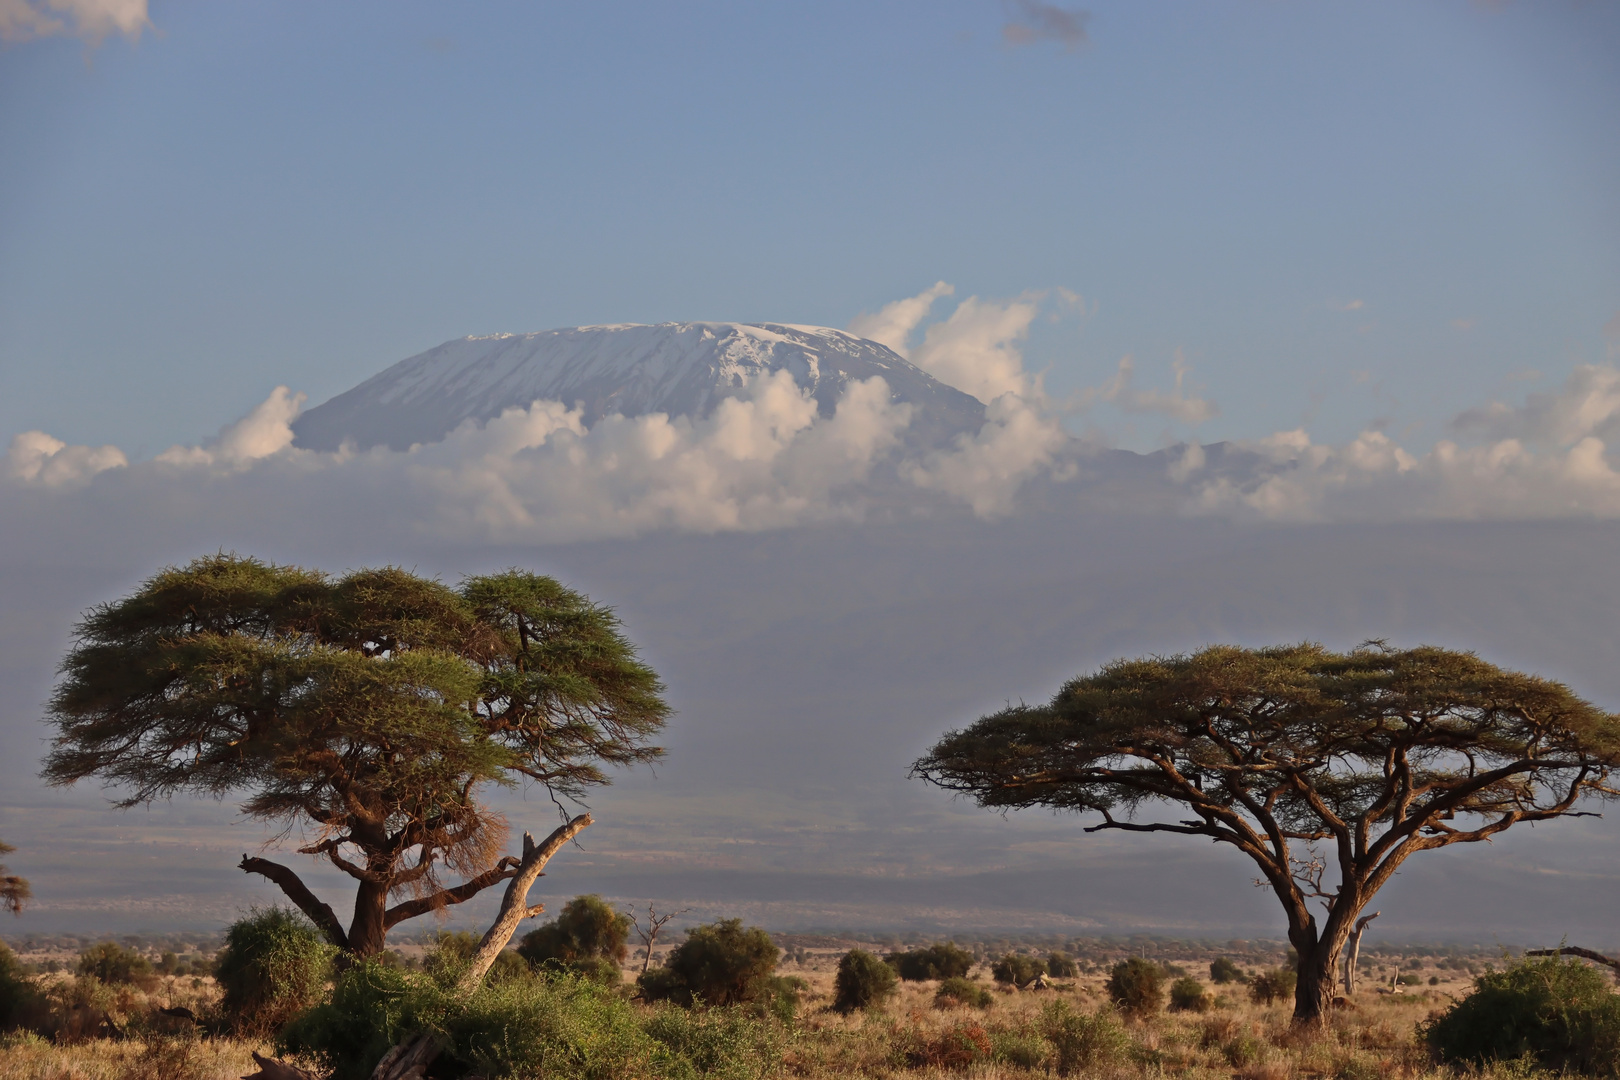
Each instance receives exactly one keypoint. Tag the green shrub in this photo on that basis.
(453, 950)
(863, 982)
(1244, 1050)
(1020, 1048)
(1017, 969)
(564, 1027)
(1223, 971)
(589, 938)
(713, 1042)
(19, 999)
(1136, 986)
(1275, 985)
(1187, 995)
(112, 963)
(1558, 1011)
(1061, 966)
(274, 965)
(371, 1007)
(941, 960)
(718, 964)
(1082, 1043)
(962, 991)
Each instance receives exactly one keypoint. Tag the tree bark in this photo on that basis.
(1576, 950)
(1352, 953)
(368, 932)
(1316, 977)
(515, 903)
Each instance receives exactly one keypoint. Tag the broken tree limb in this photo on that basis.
(407, 1061)
(274, 1069)
(1576, 950)
(515, 904)
(1352, 952)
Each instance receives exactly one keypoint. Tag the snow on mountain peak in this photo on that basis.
(682, 369)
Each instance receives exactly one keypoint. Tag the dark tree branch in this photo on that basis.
(468, 889)
(296, 891)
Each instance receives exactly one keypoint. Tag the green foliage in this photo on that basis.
(959, 990)
(14, 891)
(1223, 971)
(718, 964)
(110, 962)
(377, 707)
(1187, 995)
(1277, 984)
(941, 960)
(588, 938)
(1081, 1043)
(274, 965)
(453, 950)
(1061, 966)
(863, 981)
(1136, 986)
(1557, 1011)
(18, 996)
(372, 1006)
(1017, 969)
(561, 1027)
(1020, 1048)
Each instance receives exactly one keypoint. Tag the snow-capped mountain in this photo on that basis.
(683, 369)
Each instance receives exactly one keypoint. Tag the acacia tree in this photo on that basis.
(14, 890)
(1327, 769)
(371, 712)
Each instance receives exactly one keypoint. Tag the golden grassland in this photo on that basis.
(1374, 1038)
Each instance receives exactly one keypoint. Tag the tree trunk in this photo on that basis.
(368, 933)
(1352, 952)
(1313, 992)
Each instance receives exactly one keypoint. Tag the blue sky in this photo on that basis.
(1341, 214)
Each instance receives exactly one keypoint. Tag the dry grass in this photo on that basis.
(912, 1038)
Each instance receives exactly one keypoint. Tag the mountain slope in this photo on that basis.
(683, 369)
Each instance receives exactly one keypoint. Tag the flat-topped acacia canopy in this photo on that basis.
(372, 710)
(1374, 755)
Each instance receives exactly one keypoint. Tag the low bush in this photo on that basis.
(957, 991)
(863, 981)
(19, 999)
(372, 1005)
(1188, 995)
(1061, 966)
(1558, 1011)
(1223, 971)
(1266, 987)
(1136, 986)
(589, 937)
(941, 960)
(719, 964)
(1017, 969)
(1082, 1043)
(1019, 1048)
(110, 962)
(955, 1048)
(274, 965)
(453, 950)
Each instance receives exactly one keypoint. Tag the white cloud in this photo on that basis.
(91, 20)
(893, 323)
(986, 470)
(1546, 458)
(264, 431)
(1120, 391)
(978, 349)
(36, 458)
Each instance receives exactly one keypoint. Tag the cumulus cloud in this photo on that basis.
(894, 323)
(979, 350)
(36, 458)
(1030, 21)
(264, 431)
(986, 470)
(1548, 457)
(91, 20)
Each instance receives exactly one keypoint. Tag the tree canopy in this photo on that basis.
(371, 710)
(1327, 769)
(14, 891)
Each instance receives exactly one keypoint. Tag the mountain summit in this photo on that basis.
(682, 369)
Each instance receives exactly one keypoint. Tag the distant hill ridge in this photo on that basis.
(682, 369)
